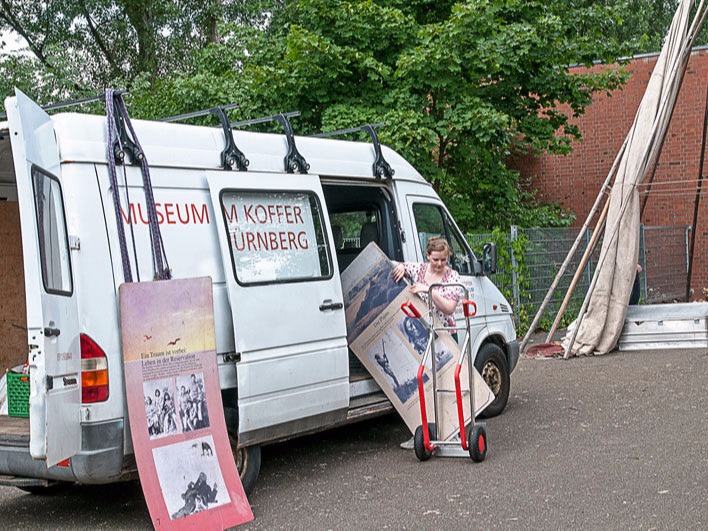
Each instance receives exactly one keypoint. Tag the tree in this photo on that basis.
(78, 47)
(461, 85)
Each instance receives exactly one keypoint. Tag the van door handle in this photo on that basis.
(329, 305)
(49, 332)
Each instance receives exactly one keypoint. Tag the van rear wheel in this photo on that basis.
(492, 366)
(248, 463)
(248, 458)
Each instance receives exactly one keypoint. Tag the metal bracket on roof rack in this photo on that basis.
(122, 143)
(231, 155)
(294, 162)
(381, 169)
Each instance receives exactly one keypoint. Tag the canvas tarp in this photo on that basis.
(602, 316)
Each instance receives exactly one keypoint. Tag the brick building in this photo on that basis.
(575, 180)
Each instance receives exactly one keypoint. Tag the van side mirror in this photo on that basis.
(489, 259)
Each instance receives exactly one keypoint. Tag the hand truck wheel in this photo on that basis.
(477, 441)
(421, 452)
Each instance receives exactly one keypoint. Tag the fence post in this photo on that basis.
(514, 234)
(643, 263)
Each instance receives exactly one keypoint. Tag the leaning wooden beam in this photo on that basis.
(648, 155)
(579, 271)
(573, 248)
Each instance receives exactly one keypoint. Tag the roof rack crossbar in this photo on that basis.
(339, 132)
(195, 114)
(294, 162)
(381, 169)
(71, 103)
(264, 119)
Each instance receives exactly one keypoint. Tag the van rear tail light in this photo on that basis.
(94, 372)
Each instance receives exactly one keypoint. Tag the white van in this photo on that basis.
(284, 365)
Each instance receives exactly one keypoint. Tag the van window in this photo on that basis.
(431, 220)
(51, 227)
(358, 228)
(276, 236)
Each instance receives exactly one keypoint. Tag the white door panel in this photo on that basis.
(285, 294)
(52, 314)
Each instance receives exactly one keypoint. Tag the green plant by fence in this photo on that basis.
(529, 259)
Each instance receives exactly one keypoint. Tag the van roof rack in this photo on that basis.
(381, 169)
(231, 155)
(71, 103)
(294, 162)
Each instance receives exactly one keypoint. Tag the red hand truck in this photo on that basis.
(474, 439)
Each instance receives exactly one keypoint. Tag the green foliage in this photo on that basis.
(462, 85)
(508, 268)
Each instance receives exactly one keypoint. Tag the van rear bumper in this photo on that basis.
(99, 461)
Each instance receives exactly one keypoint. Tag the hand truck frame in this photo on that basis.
(425, 442)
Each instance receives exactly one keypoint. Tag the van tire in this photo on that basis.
(492, 366)
(248, 458)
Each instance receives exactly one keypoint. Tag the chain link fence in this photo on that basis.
(663, 255)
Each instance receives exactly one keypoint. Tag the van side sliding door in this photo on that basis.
(286, 303)
(52, 310)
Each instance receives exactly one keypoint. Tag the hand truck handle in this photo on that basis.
(469, 308)
(410, 310)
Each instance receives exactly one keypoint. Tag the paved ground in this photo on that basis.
(615, 442)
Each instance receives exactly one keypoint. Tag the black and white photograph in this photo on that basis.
(160, 409)
(393, 360)
(190, 477)
(191, 402)
(442, 355)
(415, 333)
(368, 290)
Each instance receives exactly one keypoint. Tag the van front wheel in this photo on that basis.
(248, 458)
(492, 366)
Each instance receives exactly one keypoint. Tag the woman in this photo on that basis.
(434, 271)
(422, 276)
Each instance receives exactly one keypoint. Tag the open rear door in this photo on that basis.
(52, 315)
(286, 301)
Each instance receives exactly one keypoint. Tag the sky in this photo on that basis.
(11, 42)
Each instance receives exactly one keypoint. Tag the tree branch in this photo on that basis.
(17, 26)
(99, 40)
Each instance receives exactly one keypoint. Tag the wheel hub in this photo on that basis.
(492, 377)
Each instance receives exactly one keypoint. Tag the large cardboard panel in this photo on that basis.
(13, 313)
(186, 467)
(391, 345)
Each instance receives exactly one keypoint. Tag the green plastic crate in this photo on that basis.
(18, 390)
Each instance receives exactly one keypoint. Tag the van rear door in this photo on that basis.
(52, 314)
(286, 302)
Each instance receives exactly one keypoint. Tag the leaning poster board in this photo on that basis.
(181, 445)
(391, 345)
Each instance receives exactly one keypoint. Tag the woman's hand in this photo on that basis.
(419, 287)
(399, 271)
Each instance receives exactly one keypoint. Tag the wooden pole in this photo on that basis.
(579, 271)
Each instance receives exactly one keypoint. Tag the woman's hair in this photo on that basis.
(437, 244)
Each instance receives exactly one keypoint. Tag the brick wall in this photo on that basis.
(575, 180)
